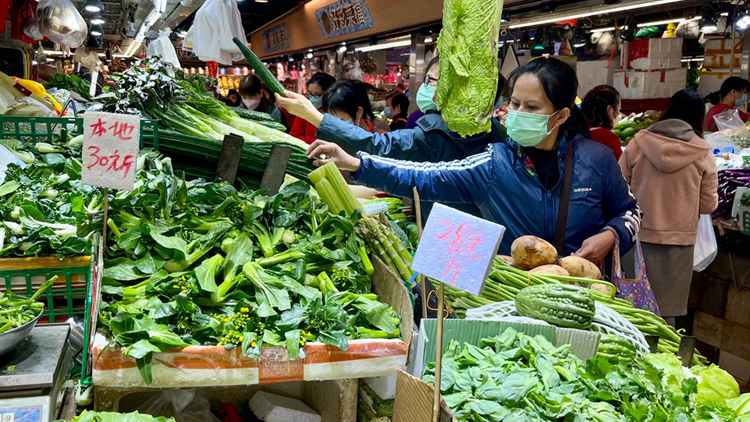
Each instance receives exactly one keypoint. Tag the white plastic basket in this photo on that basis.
(606, 321)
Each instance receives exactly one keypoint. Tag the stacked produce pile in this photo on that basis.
(194, 123)
(729, 181)
(382, 239)
(506, 282)
(627, 128)
(16, 310)
(515, 377)
(46, 209)
(87, 416)
(199, 263)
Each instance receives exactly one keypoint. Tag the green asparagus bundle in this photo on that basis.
(16, 310)
(382, 240)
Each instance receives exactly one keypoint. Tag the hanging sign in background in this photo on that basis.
(457, 248)
(110, 150)
(344, 17)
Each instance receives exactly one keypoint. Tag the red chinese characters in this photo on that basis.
(123, 131)
(460, 248)
(110, 163)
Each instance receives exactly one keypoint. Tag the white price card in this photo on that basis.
(110, 149)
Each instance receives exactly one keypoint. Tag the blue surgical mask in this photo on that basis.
(388, 113)
(371, 97)
(527, 129)
(315, 100)
(425, 94)
(350, 121)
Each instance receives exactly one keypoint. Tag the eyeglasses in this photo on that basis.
(429, 80)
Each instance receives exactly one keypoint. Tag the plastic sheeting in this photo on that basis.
(162, 46)
(216, 23)
(204, 366)
(60, 21)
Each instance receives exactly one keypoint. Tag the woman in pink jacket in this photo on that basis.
(672, 172)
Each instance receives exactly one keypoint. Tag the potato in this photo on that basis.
(549, 270)
(507, 259)
(581, 267)
(601, 288)
(530, 252)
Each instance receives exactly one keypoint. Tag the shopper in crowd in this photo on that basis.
(348, 101)
(254, 97)
(733, 94)
(500, 109)
(601, 107)
(545, 126)
(316, 87)
(370, 92)
(397, 109)
(233, 98)
(673, 174)
(426, 93)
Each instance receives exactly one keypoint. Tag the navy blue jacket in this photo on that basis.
(503, 184)
(430, 141)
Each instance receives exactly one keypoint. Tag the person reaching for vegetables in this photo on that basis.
(430, 140)
(518, 183)
(672, 171)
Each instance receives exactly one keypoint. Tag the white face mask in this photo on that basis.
(251, 104)
(370, 97)
(741, 102)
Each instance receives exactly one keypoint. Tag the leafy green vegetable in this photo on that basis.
(515, 377)
(468, 64)
(90, 416)
(716, 385)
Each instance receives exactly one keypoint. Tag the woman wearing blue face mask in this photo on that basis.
(426, 93)
(316, 87)
(522, 183)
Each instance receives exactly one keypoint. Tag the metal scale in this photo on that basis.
(33, 390)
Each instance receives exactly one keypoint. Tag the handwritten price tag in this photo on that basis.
(457, 248)
(110, 149)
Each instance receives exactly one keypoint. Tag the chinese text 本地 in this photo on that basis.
(110, 149)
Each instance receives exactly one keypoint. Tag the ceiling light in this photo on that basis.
(310, 50)
(34, 63)
(743, 22)
(310, 55)
(342, 49)
(261, 1)
(428, 40)
(505, 18)
(182, 33)
(96, 30)
(97, 18)
(93, 6)
(291, 59)
(593, 11)
(393, 44)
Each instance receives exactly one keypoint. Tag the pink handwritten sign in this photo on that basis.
(110, 149)
(457, 248)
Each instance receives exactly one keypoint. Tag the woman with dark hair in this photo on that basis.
(316, 87)
(397, 109)
(672, 171)
(601, 107)
(233, 98)
(733, 94)
(348, 101)
(519, 183)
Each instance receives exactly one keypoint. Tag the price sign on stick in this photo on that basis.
(110, 149)
(457, 248)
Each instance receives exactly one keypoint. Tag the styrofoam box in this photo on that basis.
(717, 53)
(654, 53)
(648, 84)
(711, 80)
(594, 73)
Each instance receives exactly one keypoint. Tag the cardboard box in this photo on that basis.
(738, 304)
(708, 329)
(654, 54)
(414, 401)
(738, 367)
(593, 73)
(583, 343)
(718, 53)
(649, 84)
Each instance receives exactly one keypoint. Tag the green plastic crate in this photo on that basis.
(41, 129)
(66, 298)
